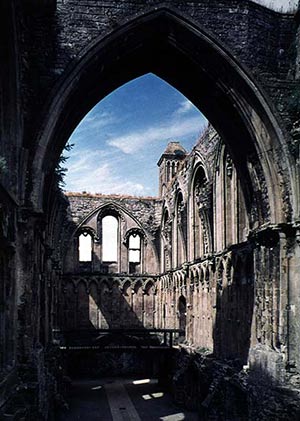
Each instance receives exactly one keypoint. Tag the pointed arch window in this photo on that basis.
(85, 247)
(178, 243)
(201, 213)
(134, 252)
(110, 227)
(166, 239)
(230, 219)
(134, 249)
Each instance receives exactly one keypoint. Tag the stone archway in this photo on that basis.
(172, 47)
(57, 64)
(181, 52)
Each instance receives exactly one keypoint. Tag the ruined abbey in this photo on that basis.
(199, 286)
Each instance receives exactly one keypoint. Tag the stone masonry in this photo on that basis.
(217, 254)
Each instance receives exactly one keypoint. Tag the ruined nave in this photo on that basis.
(197, 287)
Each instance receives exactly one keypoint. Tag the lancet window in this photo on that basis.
(85, 246)
(200, 215)
(110, 238)
(134, 252)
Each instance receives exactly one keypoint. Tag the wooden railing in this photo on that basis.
(106, 339)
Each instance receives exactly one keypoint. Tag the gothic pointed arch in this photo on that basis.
(248, 114)
(231, 222)
(179, 231)
(200, 213)
(166, 238)
(135, 241)
(85, 237)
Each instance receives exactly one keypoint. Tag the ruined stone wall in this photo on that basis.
(11, 115)
(108, 302)
(262, 39)
(11, 184)
(231, 290)
(39, 46)
(145, 210)
(8, 292)
(218, 295)
(298, 45)
(139, 215)
(118, 299)
(216, 290)
(219, 303)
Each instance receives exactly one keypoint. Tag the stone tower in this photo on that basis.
(169, 163)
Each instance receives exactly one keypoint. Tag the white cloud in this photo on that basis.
(93, 123)
(80, 164)
(96, 163)
(82, 160)
(85, 176)
(134, 141)
(100, 179)
(184, 107)
(279, 5)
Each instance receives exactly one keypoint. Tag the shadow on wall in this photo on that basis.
(108, 303)
(234, 306)
(219, 391)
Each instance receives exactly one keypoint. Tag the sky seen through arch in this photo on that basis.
(119, 142)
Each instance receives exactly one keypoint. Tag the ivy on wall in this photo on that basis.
(60, 169)
(3, 165)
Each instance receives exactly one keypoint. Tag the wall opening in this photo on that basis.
(134, 253)
(182, 316)
(85, 247)
(110, 238)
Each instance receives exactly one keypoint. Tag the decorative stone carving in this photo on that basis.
(167, 231)
(229, 166)
(180, 213)
(267, 238)
(134, 232)
(203, 195)
(295, 146)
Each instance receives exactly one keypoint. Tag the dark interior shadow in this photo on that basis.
(234, 307)
(218, 390)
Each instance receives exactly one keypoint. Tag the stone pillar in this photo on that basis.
(276, 289)
(293, 315)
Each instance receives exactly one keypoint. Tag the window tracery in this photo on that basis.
(134, 252)
(179, 227)
(166, 241)
(201, 210)
(230, 218)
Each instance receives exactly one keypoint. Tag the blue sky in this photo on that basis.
(118, 143)
(279, 5)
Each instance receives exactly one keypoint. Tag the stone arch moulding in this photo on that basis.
(134, 231)
(198, 161)
(87, 229)
(199, 173)
(159, 42)
(109, 208)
